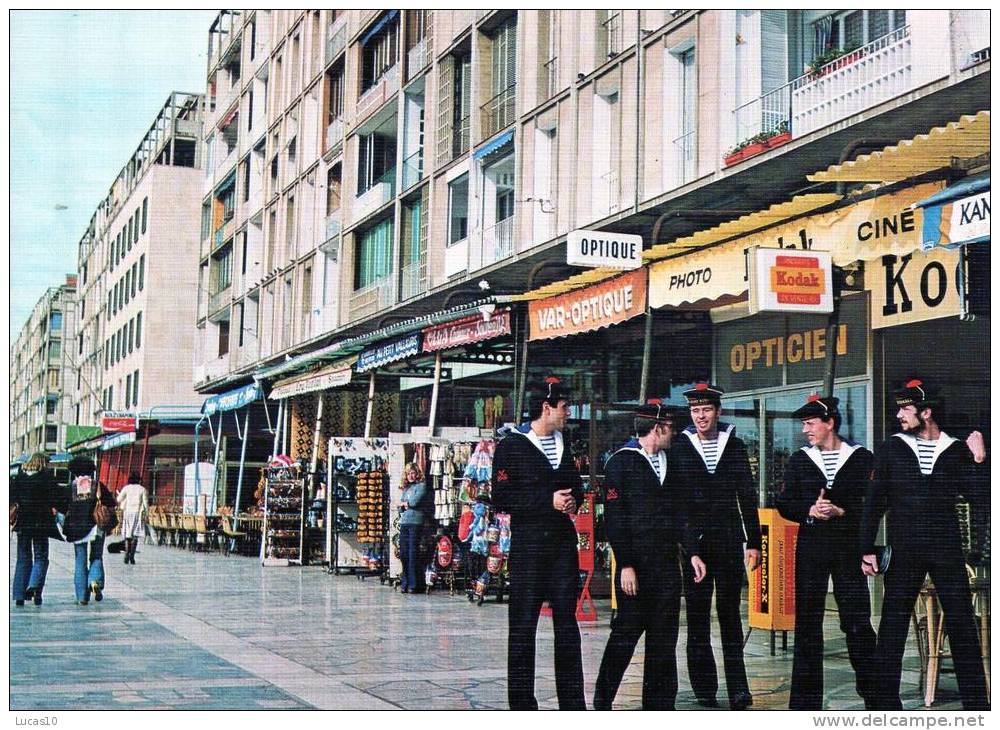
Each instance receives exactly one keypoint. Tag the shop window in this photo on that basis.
(373, 258)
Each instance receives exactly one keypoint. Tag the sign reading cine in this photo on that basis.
(604, 248)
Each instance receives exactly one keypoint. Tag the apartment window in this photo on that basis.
(458, 210)
(50, 405)
(851, 29)
(131, 335)
(135, 388)
(128, 285)
(83, 309)
(376, 157)
(79, 341)
(253, 38)
(121, 294)
(290, 224)
(335, 92)
(128, 237)
(548, 45)
(145, 213)
(379, 49)
(135, 229)
(107, 354)
(222, 263)
(462, 104)
(138, 330)
(209, 150)
(287, 315)
(610, 34)
(135, 277)
(373, 258)
(128, 390)
(51, 434)
(333, 178)
(114, 299)
(498, 112)
(416, 28)
(306, 303)
(142, 269)
(110, 402)
(55, 321)
(84, 272)
(223, 338)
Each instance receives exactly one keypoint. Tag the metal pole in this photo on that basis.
(647, 348)
(831, 348)
(315, 449)
(243, 456)
(519, 401)
(215, 472)
(435, 391)
(277, 427)
(145, 446)
(285, 427)
(371, 405)
(131, 451)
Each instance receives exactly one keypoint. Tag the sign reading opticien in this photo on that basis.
(602, 248)
(593, 307)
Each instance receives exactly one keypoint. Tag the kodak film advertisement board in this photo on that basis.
(787, 280)
(772, 586)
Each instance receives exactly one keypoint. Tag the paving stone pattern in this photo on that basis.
(201, 631)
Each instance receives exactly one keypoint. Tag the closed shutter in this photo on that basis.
(773, 49)
(446, 76)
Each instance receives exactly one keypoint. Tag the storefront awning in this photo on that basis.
(958, 215)
(466, 331)
(584, 310)
(76, 435)
(387, 352)
(332, 376)
(231, 400)
(968, 137)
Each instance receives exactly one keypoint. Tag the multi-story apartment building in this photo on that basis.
(137, 277)
(42, 374)
(364, 166)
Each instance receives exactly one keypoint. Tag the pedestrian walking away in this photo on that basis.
(824, 490)
(709, 465)
(413, 512)
(134, 505)
(36, 496)
(644, 523)
(81, 529)
(536, 481)
(919, 474)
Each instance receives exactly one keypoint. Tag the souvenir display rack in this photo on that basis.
(359, 494)
(284, 516)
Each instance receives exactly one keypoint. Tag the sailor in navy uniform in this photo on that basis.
(709, 465)
(919, 473)
(536, 482)
(643, 521)
(825, 485)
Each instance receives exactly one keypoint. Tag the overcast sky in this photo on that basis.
(85, 87)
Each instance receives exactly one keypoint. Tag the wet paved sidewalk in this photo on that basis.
(183, 630)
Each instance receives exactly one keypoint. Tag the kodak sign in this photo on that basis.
(785, 280)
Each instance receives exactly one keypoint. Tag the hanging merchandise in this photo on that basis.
(284, 514)
(359, 498)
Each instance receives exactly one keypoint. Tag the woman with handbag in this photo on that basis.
(33, 499)
(132, 500)
(90, 514)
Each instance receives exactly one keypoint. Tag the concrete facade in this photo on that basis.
(42, 374)
(401, 155)
(138, 277)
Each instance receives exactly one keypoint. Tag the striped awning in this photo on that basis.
(494, 145)
(965, 138)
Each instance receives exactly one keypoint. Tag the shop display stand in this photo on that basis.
(284, 517)
(358, 506)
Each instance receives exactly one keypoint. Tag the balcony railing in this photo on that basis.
(414, 278)
(460, 137)
(852, 83)
(218, 301)
(766, 113)
(498, 112)
(371, 299)
(418, 57)
(380, 193)
(498, 241)
(551, 76)
(686, 150)
(223, 233)
(336, 39)
(334, 134)
(378, 93)
(413, 169)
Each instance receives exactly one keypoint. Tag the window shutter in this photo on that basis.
(773, 49)
(511, 77)
(446, 79)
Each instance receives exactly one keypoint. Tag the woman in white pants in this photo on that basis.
(132, 500)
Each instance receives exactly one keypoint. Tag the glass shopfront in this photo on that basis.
(769, 364)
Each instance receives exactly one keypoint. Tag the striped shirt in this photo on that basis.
(710, 453)
(549, 447)
(925, 453)
(830, 459)
(654, 461)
